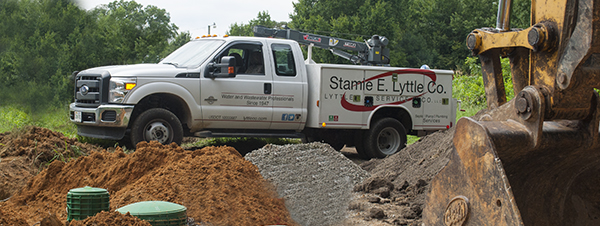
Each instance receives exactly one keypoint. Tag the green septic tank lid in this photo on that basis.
(150, 208)
(85, 202)
(88, 190)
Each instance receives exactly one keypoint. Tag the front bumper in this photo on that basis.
(105, 121)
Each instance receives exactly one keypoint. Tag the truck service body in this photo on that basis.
(253, 86)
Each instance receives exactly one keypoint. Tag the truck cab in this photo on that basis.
(266, 91)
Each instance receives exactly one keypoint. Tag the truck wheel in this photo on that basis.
(386, 137)
(157, 124)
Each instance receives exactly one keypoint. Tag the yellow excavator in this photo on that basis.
(534, 160)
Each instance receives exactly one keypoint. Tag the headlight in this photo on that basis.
(119, 87)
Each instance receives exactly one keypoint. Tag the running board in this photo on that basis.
(286, 134)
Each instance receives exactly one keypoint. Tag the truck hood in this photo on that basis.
(138, 70)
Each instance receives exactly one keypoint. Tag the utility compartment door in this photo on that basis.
(399, 87)
(342, 99)
(438, 108)
(241, 102)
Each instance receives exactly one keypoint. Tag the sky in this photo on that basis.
(196, 15)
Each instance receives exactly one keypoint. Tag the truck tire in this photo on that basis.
(157, 124)
(386, 137)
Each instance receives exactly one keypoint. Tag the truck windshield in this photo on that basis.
(193, 53)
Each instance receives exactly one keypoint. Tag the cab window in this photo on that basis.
(248, 58)
(284, 60)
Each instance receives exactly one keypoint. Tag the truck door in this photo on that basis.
(241, 102)
(288, 86)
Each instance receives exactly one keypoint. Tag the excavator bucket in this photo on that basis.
(495, 177)
(534, 160)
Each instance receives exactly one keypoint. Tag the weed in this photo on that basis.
(57, 156)
(410, 139)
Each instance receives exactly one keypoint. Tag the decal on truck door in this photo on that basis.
(378, 83)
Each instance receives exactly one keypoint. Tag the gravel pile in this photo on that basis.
(315, 180)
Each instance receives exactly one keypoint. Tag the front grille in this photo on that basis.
(91, 90)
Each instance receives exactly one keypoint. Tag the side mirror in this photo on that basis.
(225, 69)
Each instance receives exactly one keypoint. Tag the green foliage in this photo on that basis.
(420, 31)
(43, 41)
(469, 87)
(410, 139)
(11, 117)
(132, 33)
(55, 118)
(263, 19)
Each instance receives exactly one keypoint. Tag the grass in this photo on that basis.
(55, 118)
(469, 111)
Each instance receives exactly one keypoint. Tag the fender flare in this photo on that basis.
(370, 118)
(140, 92)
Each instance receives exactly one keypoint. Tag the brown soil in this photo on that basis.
(8, 217)
(25, 152)
(111, 218)
(42, 145)
(399, 183)
(14, 174)
(215, 184)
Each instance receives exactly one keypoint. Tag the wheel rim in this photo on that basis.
(158, 131)
(388, 141)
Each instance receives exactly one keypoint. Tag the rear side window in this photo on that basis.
(284, 60)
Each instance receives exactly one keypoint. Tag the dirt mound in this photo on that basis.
(42, 145)
(215, 184)
(399, 184)
(9, 218)
(111, 218)
(14, 174)
(23, 153)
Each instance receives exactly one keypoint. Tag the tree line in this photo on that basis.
(431, 32)
(43, 41)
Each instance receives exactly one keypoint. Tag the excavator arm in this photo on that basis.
(534, 160)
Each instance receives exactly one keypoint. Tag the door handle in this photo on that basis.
(268, 88)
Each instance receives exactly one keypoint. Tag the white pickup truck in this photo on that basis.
(262, 87)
